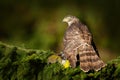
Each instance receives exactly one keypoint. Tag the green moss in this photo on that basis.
(26, 64)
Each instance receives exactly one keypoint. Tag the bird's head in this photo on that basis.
(70, 19)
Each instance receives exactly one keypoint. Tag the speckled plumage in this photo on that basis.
(78, 41)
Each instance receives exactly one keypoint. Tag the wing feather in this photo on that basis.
(78, 41)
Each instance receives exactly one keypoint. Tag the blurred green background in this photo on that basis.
(37, 24)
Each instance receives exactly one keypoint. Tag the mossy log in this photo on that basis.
(26, 64)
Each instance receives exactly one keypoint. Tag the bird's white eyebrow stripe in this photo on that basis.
(70, 16)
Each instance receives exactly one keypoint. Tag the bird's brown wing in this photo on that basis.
(78, 40)
(88, 54)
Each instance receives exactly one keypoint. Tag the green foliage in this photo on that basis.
(21, 64)
(26, 64)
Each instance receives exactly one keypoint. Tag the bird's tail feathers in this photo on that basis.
(89, 60)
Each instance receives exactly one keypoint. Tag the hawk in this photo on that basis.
(79, 46)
